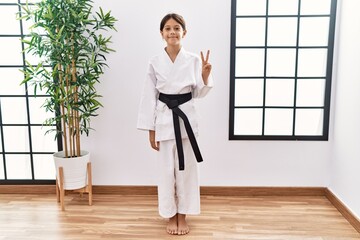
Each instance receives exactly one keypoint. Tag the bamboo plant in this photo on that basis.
(68, 38)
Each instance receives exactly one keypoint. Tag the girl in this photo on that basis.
(175, 77)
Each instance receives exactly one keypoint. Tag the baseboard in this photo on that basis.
(348, 215)
(204, 190)
(27, 189)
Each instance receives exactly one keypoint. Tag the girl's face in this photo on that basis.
(172, 32)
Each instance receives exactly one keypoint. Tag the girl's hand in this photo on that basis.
(206, 67)
(155, 145)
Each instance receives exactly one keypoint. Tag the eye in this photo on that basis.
(177, 28)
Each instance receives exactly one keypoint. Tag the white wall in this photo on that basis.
(121, 154)
(345, 162)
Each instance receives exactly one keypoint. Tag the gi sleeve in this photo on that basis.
(201, 90)
(147, 108)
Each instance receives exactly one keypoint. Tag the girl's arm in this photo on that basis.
(204, 80)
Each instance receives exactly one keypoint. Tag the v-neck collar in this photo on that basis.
(178, 56)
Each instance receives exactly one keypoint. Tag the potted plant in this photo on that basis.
(67, 38)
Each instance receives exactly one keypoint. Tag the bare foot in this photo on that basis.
(183, 227)
(172, 227)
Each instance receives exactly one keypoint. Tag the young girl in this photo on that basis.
(167, 111)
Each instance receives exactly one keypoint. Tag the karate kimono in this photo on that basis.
(178, 191)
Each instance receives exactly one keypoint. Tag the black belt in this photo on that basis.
(173, 101)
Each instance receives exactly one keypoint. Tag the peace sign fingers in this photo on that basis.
(205, 60)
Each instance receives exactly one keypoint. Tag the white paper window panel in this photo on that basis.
(309, 122)
(283, 7)
(2, 172)
(16, 138)
(44, 168)
(18, 166)
(10, 48)
(280, 62)
(282, 31)
(10, 79)
(249, 63)
(42, 142)
(310, 7)
(9, 23)
(249, 92)
(250, 7)
(250, 32)
(248, 121)
(30, 1)
(310, 92)
(312, 62)
(279, 92)
(314, 31)
(13, 110)
(278, 122)
(38, 113)
(0, 144)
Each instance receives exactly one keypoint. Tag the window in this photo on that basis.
(25, 152)
(281, 66)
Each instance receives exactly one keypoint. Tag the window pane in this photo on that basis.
(282, 31)
(249, 62)
(281, 62)
(312, 62)
(18, 166)
(279, 92)
(10, 48)
(2, 172)
(38, 113)
(42, 142)
(253, 7)
(309, 7)
(310, 92)
(13, 110)
(248, 122)
(12, 25)
(249, 92)
(10, 79)
(44, 167)
(250, 32)
(278, 121)
(30, 1)
(314, 31)
(283, 7)
(16, 139)
(309, 122)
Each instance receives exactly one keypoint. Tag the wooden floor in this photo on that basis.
(136, 217)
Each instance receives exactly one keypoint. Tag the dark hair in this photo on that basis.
(179, 19)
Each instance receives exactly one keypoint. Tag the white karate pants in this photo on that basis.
(178, 191)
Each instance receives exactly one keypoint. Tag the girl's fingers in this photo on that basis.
(207, 56)
(203, 59)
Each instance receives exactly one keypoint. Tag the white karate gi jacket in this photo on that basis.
(164, 76)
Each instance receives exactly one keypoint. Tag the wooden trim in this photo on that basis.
(152, 190)
(27, 189)
(262, 191)
(348, 215)
(125, 190)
